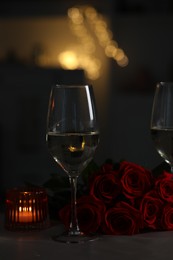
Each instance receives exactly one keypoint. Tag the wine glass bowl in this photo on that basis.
(74, 150)
(72, 138)
(162, 121)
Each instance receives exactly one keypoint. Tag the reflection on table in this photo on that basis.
(39, 245)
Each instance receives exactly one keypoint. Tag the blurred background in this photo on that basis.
(121, 47)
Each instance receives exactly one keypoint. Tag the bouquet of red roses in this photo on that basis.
(124, 199)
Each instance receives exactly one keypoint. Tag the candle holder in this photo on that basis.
(26, 209)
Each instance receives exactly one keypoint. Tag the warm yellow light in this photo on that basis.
(124, 62)
(72, 148)
(68, 60)
(25, 209)
(79, 30)
(110, 51)
(119, 55)
(93, 75)
(89, 46)
(75, 15)
(91, 29)
(93, 71)
(101, 24)
(91, 13)
(91, 66)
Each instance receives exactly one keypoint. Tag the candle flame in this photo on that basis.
(25, 209)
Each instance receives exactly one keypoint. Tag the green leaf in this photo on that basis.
(56, 182)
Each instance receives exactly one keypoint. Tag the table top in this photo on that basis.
(39, 245)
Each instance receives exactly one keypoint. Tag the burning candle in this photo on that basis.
(26, 209)
(25, 214)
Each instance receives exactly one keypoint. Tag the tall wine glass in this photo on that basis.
(72, 138)
(162, 121)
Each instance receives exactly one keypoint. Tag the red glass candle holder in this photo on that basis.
(26, 209)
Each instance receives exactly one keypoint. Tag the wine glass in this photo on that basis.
(162, 121)
(72, 138)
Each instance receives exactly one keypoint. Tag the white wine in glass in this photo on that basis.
(162, 121)
(72, 138)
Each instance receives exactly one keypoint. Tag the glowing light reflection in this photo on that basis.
(89, 103)
(68, 60)
(91, 29)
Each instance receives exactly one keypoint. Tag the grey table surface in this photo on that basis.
(32, 245)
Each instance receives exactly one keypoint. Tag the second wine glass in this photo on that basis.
(162, 121)
(72, 138)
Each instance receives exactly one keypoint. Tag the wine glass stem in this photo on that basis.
(172, 168)
(74, 228)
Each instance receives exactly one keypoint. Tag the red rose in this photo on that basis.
(122, 219)
(89, 212)
(105, 187)
(106, 168)
(136, 180)
(167, 217)
(164, 186)
(151, 208)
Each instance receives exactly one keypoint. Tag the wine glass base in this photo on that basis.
(74, 239)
